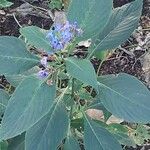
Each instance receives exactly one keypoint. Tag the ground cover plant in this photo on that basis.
(54, 89)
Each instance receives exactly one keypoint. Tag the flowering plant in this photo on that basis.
(55, 89)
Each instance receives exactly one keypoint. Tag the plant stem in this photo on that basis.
(72, 93)
(72, 98)
(98, 70)
(58, 59)
(71, 48)
(99, 67)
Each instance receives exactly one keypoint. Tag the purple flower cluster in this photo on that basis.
(43, 74)
(61, 34)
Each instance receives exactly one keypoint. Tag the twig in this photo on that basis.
(36, 7)
(146, 29)
(17, 21)
(127, 52)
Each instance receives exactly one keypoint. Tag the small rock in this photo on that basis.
(86, 43)
(2, 12)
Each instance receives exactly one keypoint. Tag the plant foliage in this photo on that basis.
(54, 89)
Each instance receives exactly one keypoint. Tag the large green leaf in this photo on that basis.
(97, 137)
(120, 132)
(91, 15)
(15, 80)
(82, 70)
(120, 26)
(50, 130)
(3, 145)
(17, 143)
(37, 37)
(14, 57)
(4, 97)
(31, 100)
(71, 143)
(125, 97)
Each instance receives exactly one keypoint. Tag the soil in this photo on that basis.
(118, 62)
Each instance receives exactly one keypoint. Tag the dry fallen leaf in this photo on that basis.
(95, 114)
(113, 119)
(98, 115)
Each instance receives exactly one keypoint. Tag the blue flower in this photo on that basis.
(54, 42)
(61, 34)
(66, 36)
(43, 74)
(57, 27)
(59, 46)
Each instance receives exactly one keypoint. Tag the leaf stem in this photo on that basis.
(98, 70)
(99, 67)
(72, 97)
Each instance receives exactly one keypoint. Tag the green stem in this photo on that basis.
(72, 97)
(72, 93)
(71, 48)
(58, 59)
(91, 54)
(99, 67)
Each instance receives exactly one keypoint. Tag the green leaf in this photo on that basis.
(141, 134)
(91, 16)
(120, 26)
(68, 101)
(4, 97)
(31, 100)
(77, 123)
(121, 134)
(85, 95)
(114, 127)
(3, 145)
(124, 139)
(98, 138)
(17, 143)
(36, 37)
(5, 3)
(50, 130)
(71, 143)
(102, 55)
(143, 131)
(125, 97)
(82, 70)
(15, 80)
(55, 4)
(14, 57)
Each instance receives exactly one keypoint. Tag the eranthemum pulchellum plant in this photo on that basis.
(49, 104)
